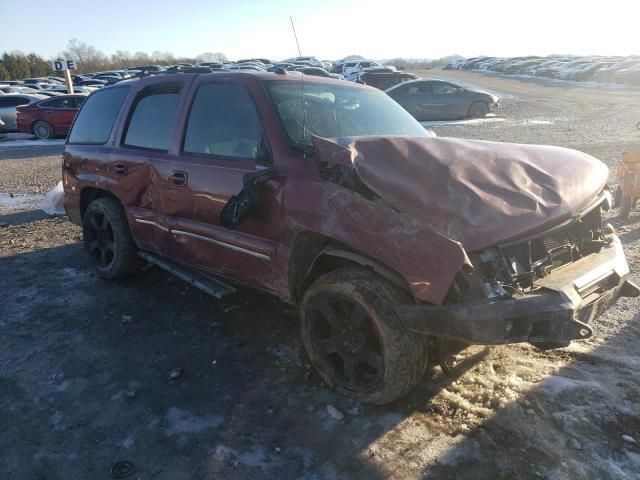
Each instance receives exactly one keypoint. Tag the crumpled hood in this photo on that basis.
(476, 192)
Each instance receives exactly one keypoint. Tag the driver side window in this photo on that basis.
(223, 122)
(444, 88)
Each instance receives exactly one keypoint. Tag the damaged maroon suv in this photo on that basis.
(399, 248)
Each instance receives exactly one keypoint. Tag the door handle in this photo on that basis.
(178, 178)
(120, 168)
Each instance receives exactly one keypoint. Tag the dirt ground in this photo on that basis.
(86, 365)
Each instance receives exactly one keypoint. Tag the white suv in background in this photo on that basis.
(351, 67)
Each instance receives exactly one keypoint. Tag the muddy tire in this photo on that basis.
(617, 197)
(625, 206)
(107, 239)
(478, 110)
(42, 130)
(355, 339)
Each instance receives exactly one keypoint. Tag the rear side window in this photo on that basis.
(445, 88)
(95, 121)
(223, 122)
(64, 102)
(150, 123)
(419, 87)
(13, 101)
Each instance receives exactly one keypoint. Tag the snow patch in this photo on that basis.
(181, 421)
(469, 121)
(20, 201)
(30, 143)
(557, 385)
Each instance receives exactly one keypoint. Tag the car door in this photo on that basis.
(59, 113)
(8, 104)
(223, 138)
(423, 102)
(5, 108)
(449, 100)
(144, 137)
(416, 98)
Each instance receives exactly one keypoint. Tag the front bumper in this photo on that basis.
(560, 311)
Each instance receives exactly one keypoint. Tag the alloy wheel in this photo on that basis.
(347, 343)
(100, 239)
(43, 130)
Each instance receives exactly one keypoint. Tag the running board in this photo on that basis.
(210, 285)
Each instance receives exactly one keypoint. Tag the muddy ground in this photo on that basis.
(86, 365)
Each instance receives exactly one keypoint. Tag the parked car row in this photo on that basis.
(27, 105)
(596, 69)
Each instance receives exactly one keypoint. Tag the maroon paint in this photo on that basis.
(60, 119)
(297, 199)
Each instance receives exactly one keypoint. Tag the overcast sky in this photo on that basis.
(326, 28)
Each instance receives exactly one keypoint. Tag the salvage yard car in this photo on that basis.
(49, 118)
(439, 100)
(8, 109)
(399, 248)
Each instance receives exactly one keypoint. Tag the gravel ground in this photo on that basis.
(29, 169)
(151, 371)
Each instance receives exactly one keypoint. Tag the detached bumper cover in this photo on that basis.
(561, 311)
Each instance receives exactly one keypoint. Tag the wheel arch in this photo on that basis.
(314, 255)
(36, 120)
(89, 194)
(475, 102)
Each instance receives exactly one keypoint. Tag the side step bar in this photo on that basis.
(210, 285)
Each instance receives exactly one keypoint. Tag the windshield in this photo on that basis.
(333, 111)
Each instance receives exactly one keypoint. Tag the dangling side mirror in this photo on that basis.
(240, 206)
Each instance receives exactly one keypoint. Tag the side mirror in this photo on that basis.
(240, 206)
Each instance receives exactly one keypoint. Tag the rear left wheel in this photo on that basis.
(107, 239)
(42, 130)
(355, 339)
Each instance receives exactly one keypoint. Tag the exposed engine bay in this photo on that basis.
(515, 268)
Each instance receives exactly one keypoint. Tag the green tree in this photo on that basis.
(17, 65)
(4, 73)
(39, 66)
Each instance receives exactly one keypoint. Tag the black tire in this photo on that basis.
(478, 110)
(42, 130)
(617, 197)
(359, 346)
(107, 239)
(625, 206)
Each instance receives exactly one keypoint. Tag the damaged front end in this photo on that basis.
(541, 265)
(544, 289)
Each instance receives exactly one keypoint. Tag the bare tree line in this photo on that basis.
(90, 59)
(17, 65)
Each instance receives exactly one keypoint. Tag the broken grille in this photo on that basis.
(520, 264)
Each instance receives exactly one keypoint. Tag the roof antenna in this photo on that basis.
(304, 110)
(295, 36)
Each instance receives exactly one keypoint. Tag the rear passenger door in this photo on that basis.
(422, 101)
(449, 101)
(144, 157)
(59, 113)
(223, 140)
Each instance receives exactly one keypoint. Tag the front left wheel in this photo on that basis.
(355, 339)
(107, 239)
(478, 110)
(625, 206)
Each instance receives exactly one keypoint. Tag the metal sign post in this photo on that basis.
(65, 66)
